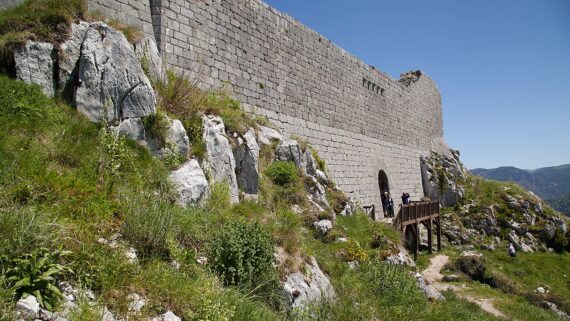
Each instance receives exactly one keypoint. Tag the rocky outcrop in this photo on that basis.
(430, 292)
(177, 140)
(69, 53)
(190, 183)
(401, 258)
(131, 128)
(219, 161)
(150, 59)
(313, 286)
(111, 81)
(267, 136)
(35, 63)
(443, 177)
(289, 151)
(316, 191)
(246, 155)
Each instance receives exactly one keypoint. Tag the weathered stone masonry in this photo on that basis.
(358, 118)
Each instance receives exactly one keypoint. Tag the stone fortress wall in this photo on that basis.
(359, 119)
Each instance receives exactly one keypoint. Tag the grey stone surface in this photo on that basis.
(442, 178)
(316, 191)
(309, 163)
(132, 128)
(430, 292)
(35, 65)
(219, 162)
(28, 307)
(112, 84)
(190, 183)
(289, 151)
(266, 136)
(168, 316)
(323, 226)
(401, 258)
(70, 51)
(150, 58)
(177, 138)
(314, 286)
(247, 163)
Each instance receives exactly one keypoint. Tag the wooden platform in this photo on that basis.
(410, 216)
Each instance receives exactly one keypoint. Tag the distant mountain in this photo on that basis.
(552, 184)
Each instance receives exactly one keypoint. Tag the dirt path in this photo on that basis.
(433, 275)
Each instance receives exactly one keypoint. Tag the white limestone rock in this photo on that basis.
(401, 258)
(131, 128)
(35, 65)
(316, 191)
(178, 139)
(321, 177)
(301, 289)
(70, 51)
(148, 54)
(247, 163)
(323, 226)
(168, 316)
(442, 177)
(28, 307)
(112, 84)
(266, 136)
(219, 161)
(136, 303)
(309, 163)
(190, 183)
(289, 151)
(430, 292)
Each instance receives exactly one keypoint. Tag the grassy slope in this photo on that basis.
(59, 189)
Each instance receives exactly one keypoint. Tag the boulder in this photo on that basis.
(247, 163)
(313, 287)
(321, 177)
(131, 128)
(309, 163)
(150, 59)
(190, 183)
(219, 161)
(442, 178)
(548, 232)
(266, 136)
(35, 63)
(431, 293)
(136, 302)
(69, 53)
(289, 151)
(28, 307)
(401, 258)
(316, 191)
(177, 139)
(168, 316)
(323, 226)
(112, 84)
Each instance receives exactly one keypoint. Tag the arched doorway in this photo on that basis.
(384, 186)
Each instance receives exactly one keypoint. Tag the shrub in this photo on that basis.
(353, 252)
(35, 273)
(180, 96)
(560, 241)
(156, 126)
(282, 173)
(242, 253)
(473, 266)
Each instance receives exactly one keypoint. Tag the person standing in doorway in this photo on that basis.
(405, 198)
(389, 205)
(385, 203)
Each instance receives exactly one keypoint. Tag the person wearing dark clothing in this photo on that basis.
(405, 198)
(385, 203)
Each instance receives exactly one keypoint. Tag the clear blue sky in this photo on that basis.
(502, 66)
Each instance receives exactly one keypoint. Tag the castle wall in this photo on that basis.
(358, 118)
